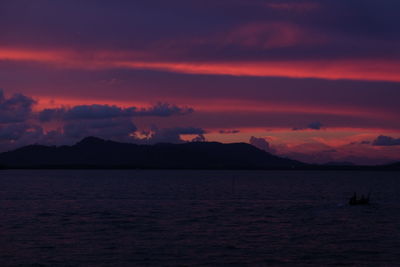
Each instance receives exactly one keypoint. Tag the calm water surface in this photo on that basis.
(186, 218)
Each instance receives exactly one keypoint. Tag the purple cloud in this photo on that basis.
(262, 144)
(77, 122)
(116, 129)
(95, 111)
(229, 131)
(383, 140)
(16, 108)
(163, 110)
(316, 125)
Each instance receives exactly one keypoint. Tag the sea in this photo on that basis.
(198, 218)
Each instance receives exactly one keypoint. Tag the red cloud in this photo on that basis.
(354, 69)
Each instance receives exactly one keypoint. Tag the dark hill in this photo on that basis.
(339, 163)
(93, 152)
(393, 166)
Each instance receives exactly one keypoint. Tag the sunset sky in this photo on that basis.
(317, 81)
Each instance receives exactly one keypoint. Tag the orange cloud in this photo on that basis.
(357, 69)
(371, 70)
(31, 55)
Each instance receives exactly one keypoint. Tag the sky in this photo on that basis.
(316, 81)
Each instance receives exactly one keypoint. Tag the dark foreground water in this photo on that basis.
(169, 218)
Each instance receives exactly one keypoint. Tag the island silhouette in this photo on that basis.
(92, 152)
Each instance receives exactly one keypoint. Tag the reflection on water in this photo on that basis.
(169, 218)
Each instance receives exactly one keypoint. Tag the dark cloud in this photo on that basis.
(163, 110)
(77, 122)
(262, 144)
(16, 128)
(383, 140)
(13, 135)
(14, 131)
(20, 125)
(199, 138)
(229, 131)
(312, 126)
(315, 125)
(116, 129)
(95, 111)
(17, 108)
(50, 114)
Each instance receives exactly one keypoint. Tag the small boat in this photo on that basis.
(359, 201)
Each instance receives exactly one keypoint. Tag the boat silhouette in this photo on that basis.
(354, 200)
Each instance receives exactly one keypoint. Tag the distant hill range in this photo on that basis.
(339, 163)
(94, 152)
(394, 166)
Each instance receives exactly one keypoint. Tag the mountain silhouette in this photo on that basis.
(394, 166)
(93, 152)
